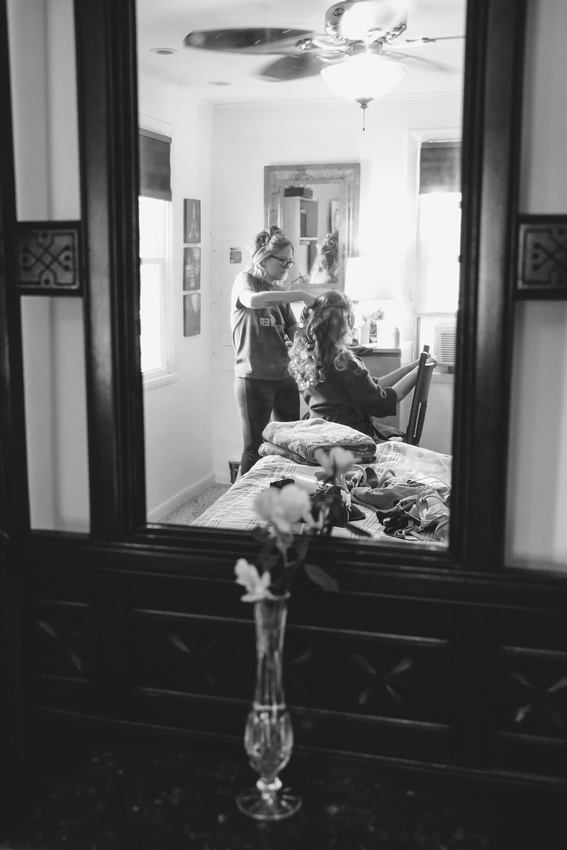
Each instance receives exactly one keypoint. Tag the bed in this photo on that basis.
(386, 487)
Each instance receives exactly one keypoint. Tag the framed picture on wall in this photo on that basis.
(192, 314)
(191, 221)
(191, 268)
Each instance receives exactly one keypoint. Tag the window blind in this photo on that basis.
(440, 167)
(155, 168)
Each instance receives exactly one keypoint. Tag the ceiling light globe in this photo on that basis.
(363, 77)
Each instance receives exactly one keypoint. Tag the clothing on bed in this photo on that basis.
(299, 440)
(409, 487)
(351, 396)
(421, 478)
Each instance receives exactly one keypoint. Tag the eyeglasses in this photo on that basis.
(285, 264)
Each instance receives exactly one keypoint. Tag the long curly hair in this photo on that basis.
(266, 244)
(322, 342)
(327, 254)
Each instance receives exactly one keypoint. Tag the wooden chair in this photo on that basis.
(419, 400)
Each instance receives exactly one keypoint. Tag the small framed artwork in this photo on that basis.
(191, 221)
(191, 268)
(192, 314)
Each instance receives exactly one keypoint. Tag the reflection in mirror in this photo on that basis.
(224, 122)
(316, 204)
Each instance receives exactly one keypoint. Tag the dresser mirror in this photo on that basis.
(484, 246)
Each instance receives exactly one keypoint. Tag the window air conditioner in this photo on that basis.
(445, 341)
(439, 331)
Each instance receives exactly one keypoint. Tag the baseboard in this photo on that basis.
(155, 514)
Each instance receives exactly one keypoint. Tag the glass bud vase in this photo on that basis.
(268, 736)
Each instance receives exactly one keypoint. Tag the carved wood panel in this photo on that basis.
(463, 684)
(48, 258)
(542, 257)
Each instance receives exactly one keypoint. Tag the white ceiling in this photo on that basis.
(165, 23)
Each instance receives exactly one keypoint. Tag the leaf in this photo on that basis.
(260, 534)
(269, 561)
(320, 577)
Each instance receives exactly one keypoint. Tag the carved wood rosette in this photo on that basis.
(542, 257)
(48, 258)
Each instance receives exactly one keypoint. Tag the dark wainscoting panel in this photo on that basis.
(472, 685)
(531, 692)
(542, 257)
(48, 258)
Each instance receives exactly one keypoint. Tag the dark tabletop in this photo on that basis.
(169, 796)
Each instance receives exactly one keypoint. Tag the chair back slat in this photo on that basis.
(419, 400)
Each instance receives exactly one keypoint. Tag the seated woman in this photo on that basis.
(324, 269)
(336, 384)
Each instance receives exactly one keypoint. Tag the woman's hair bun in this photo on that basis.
(261, 239)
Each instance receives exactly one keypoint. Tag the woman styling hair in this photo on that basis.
(262, 321)
(337, 385)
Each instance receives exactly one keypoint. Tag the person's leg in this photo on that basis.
(254, 399)
(286, 401)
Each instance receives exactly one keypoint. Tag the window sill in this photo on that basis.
(152, 383)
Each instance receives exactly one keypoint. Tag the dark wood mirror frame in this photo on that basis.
(109, 157)
(462, 619)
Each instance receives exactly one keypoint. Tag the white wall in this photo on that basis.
(246, 138)
(537, 481)
(177, 414)
(47, 187)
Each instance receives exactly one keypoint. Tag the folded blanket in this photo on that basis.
(299, 440)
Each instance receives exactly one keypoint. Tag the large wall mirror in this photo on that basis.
(313, 203)
(228, 118)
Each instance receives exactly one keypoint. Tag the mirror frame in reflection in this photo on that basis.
(346, 174)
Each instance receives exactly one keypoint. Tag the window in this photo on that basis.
(154, 217)
(439, 239)
(439, 228)
(155, 237)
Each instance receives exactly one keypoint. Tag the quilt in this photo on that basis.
(404, 494)
(299, 440)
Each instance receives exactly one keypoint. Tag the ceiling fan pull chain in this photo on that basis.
(364, 101)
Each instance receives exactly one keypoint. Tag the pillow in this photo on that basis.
(268, 450)
(301, 438)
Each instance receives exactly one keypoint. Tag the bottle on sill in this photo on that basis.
(396, 337)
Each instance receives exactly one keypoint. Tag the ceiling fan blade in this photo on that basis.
(293, 67)
(429, 64)
(418, 42)
(247, 40)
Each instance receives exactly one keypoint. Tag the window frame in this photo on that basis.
(166, 372)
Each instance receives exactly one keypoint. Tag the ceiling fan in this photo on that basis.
(352, 28)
